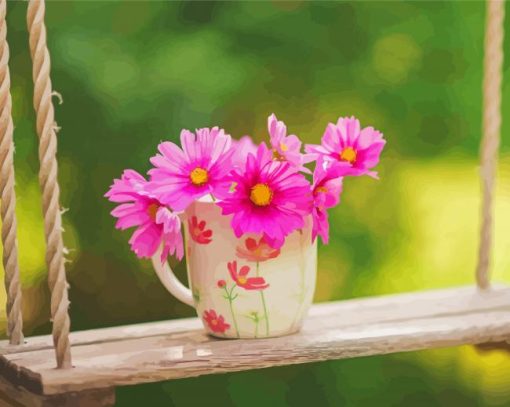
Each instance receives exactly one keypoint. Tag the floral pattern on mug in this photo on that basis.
(230, 296)
(242, 280)
(216, 323)
(198, 232)
(256, 251)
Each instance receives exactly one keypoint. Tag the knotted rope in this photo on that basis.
(46, 129)
(7, 194)
(493, 63)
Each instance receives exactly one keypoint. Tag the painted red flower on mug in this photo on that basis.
(256, 251)
(216, 323)
(198, 232)
(242, 280)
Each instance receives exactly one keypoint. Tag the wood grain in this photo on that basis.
(355, 311)
(17, 396)
(177, 349)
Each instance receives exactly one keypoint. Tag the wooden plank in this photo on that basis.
(333, 331)
(355, 311)
(155, 359)
(105, 334)
(17, 396)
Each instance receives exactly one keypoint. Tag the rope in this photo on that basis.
(7, 194)
(46, 129)
(493, 63)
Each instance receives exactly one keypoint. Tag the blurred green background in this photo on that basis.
(134, 73)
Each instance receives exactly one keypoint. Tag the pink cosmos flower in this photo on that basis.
(286, 148)
(270, 198)
(200, 168)
(215, 322)
(326, 189)
(346, 142)
(242, 148)
(242, 280)
(155, 223)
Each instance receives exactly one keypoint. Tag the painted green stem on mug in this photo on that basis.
(266, 317)
(230, 298)
(254, 316)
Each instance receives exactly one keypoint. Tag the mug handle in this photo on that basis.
(169, 281)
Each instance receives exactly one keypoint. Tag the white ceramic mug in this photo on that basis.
(240, 287)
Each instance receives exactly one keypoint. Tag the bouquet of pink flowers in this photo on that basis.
(265, 190)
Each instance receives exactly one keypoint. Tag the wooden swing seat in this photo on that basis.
(166, 350)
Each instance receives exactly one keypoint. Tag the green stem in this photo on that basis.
(264, 304)
(256, 328)
(234, 319)
(230, 301)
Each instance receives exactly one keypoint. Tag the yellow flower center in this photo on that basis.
(241, 280)
(322, 189)
(277, 156)
(349, 155)
(152, 210)
(214, 322)
(199, 176)
(283, 147)
(261, 195)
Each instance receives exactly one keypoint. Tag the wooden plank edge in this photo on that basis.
(334, 345)
(18, 396)
(11, 372)
(334, 355)
(147, 329)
